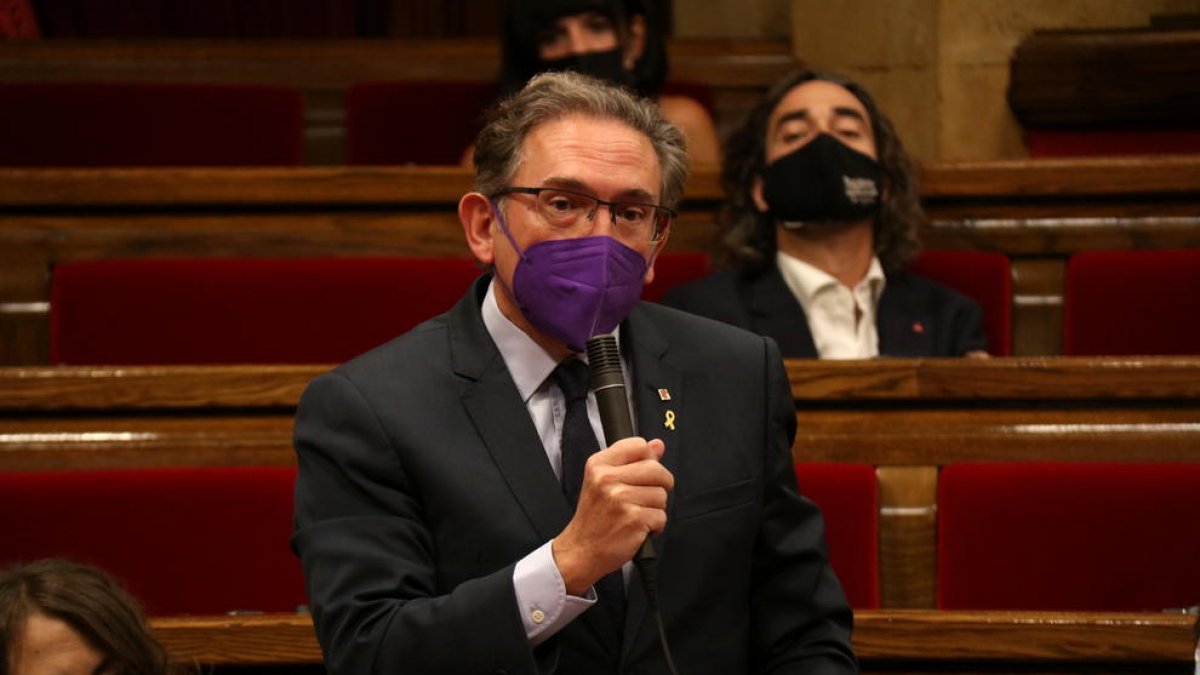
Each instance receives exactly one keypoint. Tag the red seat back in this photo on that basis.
(414, 121)
(183, 541)
(982, 276)
(849, 499)
(1132, 302)
(673, 268)
(1045, 143)
(232, 310)
(138, 124)
(1049, 536)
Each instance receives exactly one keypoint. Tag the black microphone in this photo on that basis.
(608, 386)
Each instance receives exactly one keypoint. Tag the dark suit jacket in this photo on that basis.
(916, 317)
(422, 482)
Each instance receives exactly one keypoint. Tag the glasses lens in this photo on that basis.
(564, 209)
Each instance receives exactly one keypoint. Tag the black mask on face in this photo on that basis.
(823, 181)
(606, 65)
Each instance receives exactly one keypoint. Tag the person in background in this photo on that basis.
(63, 618)
(614, 40)
(821, 219)
(456, 509)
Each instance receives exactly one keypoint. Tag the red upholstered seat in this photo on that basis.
(672, 268)
(183, 541)
(221, 310)
(1048, 536)
(139, 124)
(1045, 143)
(1132, 302)
(982, 276)
(414, 121)
(849, 498)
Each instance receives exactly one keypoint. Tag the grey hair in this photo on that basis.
(554, 95)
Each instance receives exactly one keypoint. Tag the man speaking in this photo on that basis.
(457, 509)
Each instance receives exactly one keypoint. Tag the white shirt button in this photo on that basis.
(538, 616)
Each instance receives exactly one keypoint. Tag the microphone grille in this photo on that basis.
(603, 355)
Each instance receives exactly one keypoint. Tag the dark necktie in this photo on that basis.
(579, 443)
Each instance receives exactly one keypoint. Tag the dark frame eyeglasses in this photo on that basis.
(563, 209)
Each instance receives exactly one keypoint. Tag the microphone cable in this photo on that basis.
(608, 385)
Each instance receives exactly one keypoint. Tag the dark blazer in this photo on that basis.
(916, 317)
(422, 481)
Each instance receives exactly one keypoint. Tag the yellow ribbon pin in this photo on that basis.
(670, 421)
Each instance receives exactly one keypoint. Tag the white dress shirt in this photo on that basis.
(542, 597)
(841, 319)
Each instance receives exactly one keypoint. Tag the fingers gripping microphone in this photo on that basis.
(608, 385)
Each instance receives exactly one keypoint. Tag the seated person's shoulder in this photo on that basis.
(698, 293)
(927, 290)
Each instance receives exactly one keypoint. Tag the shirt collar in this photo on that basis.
(806, 281)
(527, 362)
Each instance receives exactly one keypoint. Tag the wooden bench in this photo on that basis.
(1038, 213)
(884, 640)
(905, 417)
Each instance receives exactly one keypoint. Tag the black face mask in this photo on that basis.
(606, 65)
(825, 181)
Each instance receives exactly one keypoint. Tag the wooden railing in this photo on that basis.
(885, 641)
(905, 417)
(1036, 212)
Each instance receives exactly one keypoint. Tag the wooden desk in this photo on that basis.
(885, 641)
(1038, 213)
(905, 417)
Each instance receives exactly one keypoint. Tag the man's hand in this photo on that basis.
(624, 500)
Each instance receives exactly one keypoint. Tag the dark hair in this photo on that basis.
(90, 602)
(552, 96)
(746, 236)
(525, 19)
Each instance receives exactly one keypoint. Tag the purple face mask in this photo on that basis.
(574, 289)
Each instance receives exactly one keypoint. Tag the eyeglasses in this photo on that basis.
(567, 210)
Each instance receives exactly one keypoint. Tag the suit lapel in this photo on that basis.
(904, 326)
(776, 313)
(495, 407)
(658, 395)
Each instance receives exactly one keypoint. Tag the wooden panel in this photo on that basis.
(1036, 212)
(50, 443)
(885, 640)
(1038, 286)
(1020, 379)
(908, 535)
(1113, 77)
(907, 417)
(149, 387)
(892, 635)
(963, 433)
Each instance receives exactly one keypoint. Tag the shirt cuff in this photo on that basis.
(542, 596)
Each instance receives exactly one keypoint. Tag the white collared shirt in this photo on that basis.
(841, 319)
(542, 597)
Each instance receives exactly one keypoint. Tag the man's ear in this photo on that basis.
(637, 41)
(477, 218)
(756, 193)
